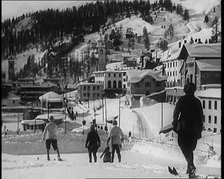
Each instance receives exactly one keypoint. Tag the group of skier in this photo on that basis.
(187, 123)
(92, 143)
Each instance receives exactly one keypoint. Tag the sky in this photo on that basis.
(16, 8)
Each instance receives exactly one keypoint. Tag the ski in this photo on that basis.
(173, 171)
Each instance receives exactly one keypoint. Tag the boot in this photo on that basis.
(192, 171)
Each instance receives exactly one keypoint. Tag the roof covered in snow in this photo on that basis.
(137, 75)
(48, 84)
(202, 50)
(209, 65)
(49, 95)
(209, 93)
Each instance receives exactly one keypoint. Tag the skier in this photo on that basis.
(116, 136)
(187, 122)
(92, 143)
(51, 138)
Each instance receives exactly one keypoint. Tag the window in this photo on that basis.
(109, 84)
(119, 74)
(215, 104)
(84, 94)
(84, 88)
(215, 119)
(203, 104)
(108, 74)
(98, 88)
(209, 104)
(215, 130)
(114, 75)
(209, 119)
(94, 88)
(94, 95)
(170, 64)
(147, 84)
(119, 84)
(88, 87)
(114, 84)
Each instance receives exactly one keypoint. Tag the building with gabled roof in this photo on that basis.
(201, 64)
(143, 83)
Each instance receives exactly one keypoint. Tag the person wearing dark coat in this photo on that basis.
(92, 143)
(188, 124)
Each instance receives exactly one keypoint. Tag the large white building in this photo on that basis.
(113, 80)
(211, 104)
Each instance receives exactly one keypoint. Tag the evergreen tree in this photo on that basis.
(163, 45)
(206, 19)
(146, 38)
(186, 15)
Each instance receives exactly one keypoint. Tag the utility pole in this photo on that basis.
(106, 110)
(161, 114)
(119, 111)
(102, 109)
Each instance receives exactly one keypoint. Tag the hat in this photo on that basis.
(51, 119)
(190, 88)
(114, 122)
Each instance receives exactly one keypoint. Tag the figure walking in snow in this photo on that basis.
(116, 136)
(50, 136)
(187, 122)
(92, 143)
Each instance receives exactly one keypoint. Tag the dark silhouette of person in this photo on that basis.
(116, 136)
(92, 143)
(188, 113)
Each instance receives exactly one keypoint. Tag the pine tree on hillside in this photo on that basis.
(206, 19)
(186, 15)
(146, 38)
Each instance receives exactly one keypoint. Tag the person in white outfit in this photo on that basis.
(50, 137)
(116, 136)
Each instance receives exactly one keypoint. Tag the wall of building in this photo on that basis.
(90, 91)
(212, 113)
(146, 86)
(172, 69)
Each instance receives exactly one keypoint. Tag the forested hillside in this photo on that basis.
(49, 26)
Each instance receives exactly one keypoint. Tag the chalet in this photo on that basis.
(201, 64)
(143, 83)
